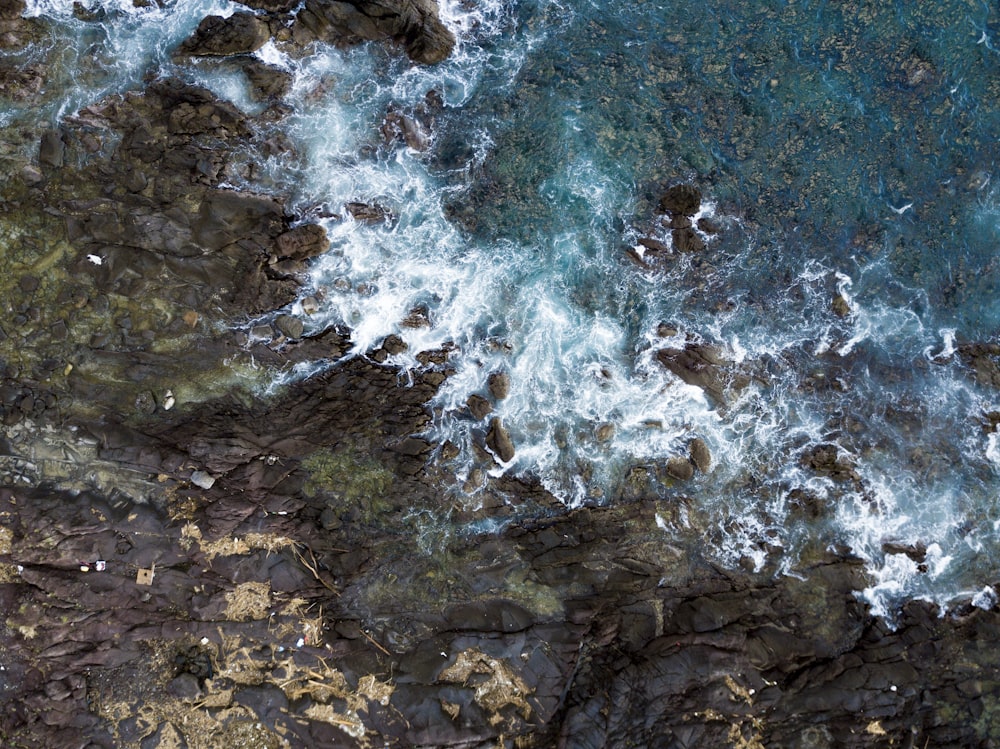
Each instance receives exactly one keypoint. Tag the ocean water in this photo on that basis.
(840, 149)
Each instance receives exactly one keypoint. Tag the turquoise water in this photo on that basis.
(840, 149)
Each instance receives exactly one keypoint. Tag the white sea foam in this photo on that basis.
(112, 54)
(985, 599)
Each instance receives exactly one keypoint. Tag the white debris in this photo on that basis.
(96, 259)
(202, 479)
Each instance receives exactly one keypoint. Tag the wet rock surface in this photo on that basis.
(260, 618)
(240, 33)
(412, 23)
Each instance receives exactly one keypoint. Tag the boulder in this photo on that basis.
(239, 34)
(305, 241)
(289, 326)
(604, 432)
(840, 306)
(498, 440)
(479, 407)
(700, 455)
(51, 148)
(401, 126)
(679, 468)
(499, 384)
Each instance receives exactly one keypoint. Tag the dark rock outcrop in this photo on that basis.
(414, 24)
(499, 441)
(704, 366)
(239, 34)
(984, 361)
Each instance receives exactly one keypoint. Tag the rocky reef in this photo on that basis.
(187, 562)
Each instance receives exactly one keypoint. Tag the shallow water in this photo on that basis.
(843, 150)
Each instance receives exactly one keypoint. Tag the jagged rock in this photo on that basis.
(368, 213)
(239, 34)
(479, 406)
(682, 199)
(498, 440)
(267, 82)
(687, 240)
(418, 317)
(394, 345)
(604, 432)
(916, 552)
(398, 125)
(984, 360)
(413, 23)
(827, 460)
(654, 245)
(700, 454)
(305, 241)
(499, 385)
(704, 366)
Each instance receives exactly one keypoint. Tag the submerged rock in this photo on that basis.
(401, 126)
(984, 360)
(369, 213)
(826, 459)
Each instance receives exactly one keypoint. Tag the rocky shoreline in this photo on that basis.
(186, 563)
